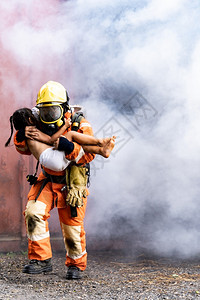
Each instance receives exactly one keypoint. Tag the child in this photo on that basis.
(41, 145)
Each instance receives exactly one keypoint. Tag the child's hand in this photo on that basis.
(68, 122)
(31, 132)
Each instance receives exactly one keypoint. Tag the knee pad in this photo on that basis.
(34, 216)
(73, 241)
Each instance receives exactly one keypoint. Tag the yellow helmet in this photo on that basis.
(51, 91)
(52, 102)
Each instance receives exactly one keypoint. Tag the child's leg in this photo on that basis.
(80, 138)
(103, 151)
(84, 139)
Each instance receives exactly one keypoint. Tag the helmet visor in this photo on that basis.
(50, 114)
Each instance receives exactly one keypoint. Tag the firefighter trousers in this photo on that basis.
(36, 215)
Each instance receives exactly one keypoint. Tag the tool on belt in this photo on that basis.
(33, 178)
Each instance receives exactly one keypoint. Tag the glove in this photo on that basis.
(76, 178)
(75, 196)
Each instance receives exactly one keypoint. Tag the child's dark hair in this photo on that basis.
(20, 119)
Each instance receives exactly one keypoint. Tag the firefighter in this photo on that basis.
(46, 193)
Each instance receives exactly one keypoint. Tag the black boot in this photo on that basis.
(73, 272)
(38, 266)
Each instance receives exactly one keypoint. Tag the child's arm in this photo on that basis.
(34, 133)
(56, 135)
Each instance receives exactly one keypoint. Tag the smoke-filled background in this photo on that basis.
(135, 67)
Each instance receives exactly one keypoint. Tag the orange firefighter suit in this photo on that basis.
(49, 196)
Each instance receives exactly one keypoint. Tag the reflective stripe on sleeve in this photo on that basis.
(85, 124)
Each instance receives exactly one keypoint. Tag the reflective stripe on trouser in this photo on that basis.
(36, 215)
(39, 246)
(74, 236)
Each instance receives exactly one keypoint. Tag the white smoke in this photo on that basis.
(106, 51)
